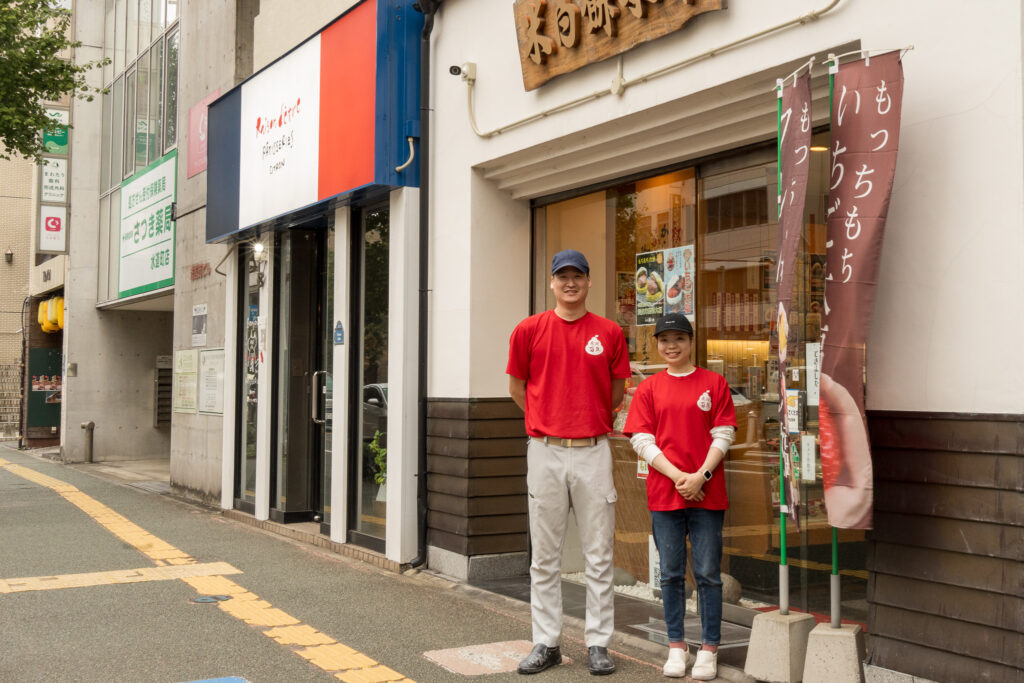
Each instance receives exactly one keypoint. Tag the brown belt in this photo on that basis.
(569, 443)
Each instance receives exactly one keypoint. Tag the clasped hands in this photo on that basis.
(691, 486)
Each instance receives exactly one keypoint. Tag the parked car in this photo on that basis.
(375, 409)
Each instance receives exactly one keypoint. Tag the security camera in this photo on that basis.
(455, 70)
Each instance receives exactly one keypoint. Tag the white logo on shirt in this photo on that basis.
(594, 347)
(704, 402)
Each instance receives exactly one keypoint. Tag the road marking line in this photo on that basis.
(117, 576)
(326, 653)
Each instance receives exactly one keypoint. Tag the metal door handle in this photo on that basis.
(316, 399)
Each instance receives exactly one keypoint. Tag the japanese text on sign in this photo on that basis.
(559, 36)
(147, 229)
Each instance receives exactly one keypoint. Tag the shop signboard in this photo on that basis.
(54, 181)
(279, 145)
(55, 138)
(53, 229)
(794, 165)
(334, 115)
(866, 103)
(560, 36)
(146, 257)
(198, 133)
(46, 379)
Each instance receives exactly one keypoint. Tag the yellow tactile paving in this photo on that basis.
(374, 674)
(336, 657)
(43, 583)
(325, 652)
(215, 585)
(299, 635)
(257, 613)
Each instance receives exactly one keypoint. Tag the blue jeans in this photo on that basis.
(705, 530)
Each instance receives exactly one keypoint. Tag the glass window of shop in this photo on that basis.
(702, 241)
(368, 474)
(251, 281)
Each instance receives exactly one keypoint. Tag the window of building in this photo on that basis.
(140, 111)
(702, 241)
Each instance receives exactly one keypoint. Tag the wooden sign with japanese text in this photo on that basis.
(560, 36)
(866, 103)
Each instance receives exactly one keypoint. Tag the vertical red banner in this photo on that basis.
(794, 167)
(866, 103)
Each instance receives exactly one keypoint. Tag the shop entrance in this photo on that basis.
(300, 475)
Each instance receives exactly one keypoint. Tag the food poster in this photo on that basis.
(679, 277)
(650, 287)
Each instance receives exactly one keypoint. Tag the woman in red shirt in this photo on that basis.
(682, 421)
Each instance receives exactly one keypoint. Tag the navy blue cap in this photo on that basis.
(675, 322)
(570, 258)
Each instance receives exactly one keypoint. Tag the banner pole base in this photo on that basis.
(778, 646)
(783, 589)
(837, 606)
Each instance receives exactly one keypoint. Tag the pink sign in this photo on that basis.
(198, 117)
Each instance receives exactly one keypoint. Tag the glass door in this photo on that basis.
(325, 408)
(368, 474)
(296, 468)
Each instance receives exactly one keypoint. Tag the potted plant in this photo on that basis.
(380, 462)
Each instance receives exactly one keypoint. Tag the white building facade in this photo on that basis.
(669, 148)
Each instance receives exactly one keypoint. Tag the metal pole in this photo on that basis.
(89, 427)
(836, 605)
(783, 567)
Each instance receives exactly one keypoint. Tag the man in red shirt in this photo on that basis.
(567, 370)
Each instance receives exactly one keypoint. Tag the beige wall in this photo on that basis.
(279, 27)
(16, 192)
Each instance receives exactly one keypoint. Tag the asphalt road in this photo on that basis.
(155, 630)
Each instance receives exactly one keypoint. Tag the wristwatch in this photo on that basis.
(707, 475)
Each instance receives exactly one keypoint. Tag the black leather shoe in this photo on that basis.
(600, 663)
(540, 658)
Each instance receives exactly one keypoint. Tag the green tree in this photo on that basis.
(34, 69)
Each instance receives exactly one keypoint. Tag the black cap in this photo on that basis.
(674, 322)
(570, 258)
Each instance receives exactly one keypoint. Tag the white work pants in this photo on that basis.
(556, 478)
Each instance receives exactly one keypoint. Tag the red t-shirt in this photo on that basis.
(680, 412)
(568, 368)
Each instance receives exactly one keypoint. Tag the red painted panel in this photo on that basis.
(348, 64)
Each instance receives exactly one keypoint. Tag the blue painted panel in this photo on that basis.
(399, 28)
(222, 177)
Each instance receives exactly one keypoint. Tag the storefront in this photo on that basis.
(308, 175)
(653, 151)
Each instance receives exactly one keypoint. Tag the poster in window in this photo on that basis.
(650, 287)
(679, 276)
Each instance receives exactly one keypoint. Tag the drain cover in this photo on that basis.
(206, 599)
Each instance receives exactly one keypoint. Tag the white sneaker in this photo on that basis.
(706, 666)
(675, 667)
